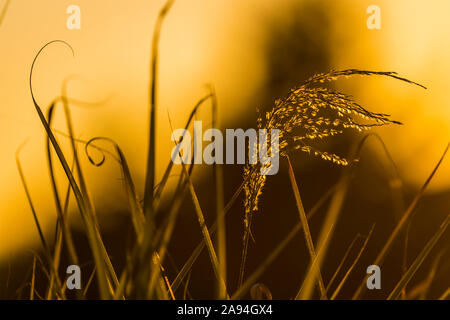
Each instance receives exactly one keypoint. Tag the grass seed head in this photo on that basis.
(309, 113)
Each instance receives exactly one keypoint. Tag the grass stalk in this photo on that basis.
(400, 225)
(347, 274)
(221, 225)
(325, 235)
(204, 229)
(343, 260)
(4, 10)
(396, 292)
(445, 295)
(47, 252)
(305, 227)
(150, 173)
(185, 270)
(242, 290)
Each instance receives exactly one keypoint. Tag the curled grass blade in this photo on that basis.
(137, 215)
(91, 231)
(143, 252)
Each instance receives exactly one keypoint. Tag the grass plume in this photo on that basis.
(309, 113)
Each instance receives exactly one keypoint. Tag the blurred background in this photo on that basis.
(252, 52)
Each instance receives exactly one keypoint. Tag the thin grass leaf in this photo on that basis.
(341, 264)
(329, 224)
(347, 274)
(172, 216)
(332, 215)
(186, 286)
(3, 12)
(56, 260)
(445, 295)
(47, 252)
(143, 252)
(165, 236)
(162, 184)
(400, 225)
(150, 175)
(166, 280)
(419, 260)
(242, 290)
(204, 229)
(33, 278)
(221, 225)
(61, 213)
(421, 290)
(197, 251)
(89, 282)
(305, 227)
(430, 277)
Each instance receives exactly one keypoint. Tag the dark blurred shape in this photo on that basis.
(260, 291)
(297, 47)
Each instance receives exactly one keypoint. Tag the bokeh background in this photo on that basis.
(252, 52)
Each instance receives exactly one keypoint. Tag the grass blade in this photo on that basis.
(419, 260)
(221, 225)
(150, 176)
(3, 12)
(281, 246)
(204, 229)
(445, 295)
(33, 278)
(341, 264)
(196, 253)
(91, 231)
(400, 225)
(65, 229)
(326, 232)
(347, 274)
(305, 227)
(53, 273)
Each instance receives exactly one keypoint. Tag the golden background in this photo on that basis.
(224, 43)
